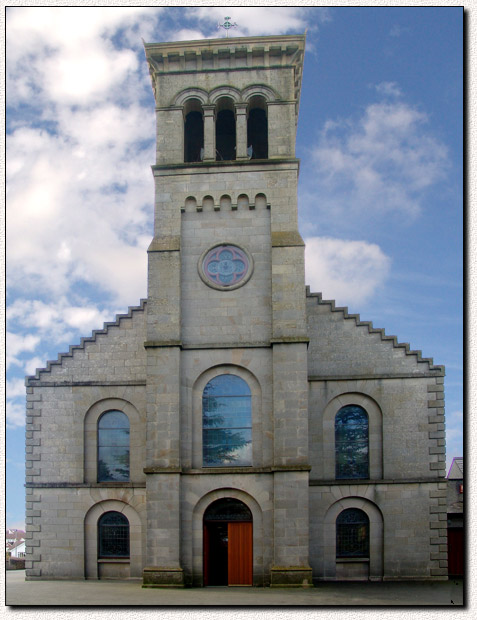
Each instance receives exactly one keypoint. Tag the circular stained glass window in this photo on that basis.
(225, 266)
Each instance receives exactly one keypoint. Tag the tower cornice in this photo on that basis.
(238, 53)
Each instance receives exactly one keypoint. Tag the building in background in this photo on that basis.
(234, 428)
(455, 517)
(15, 549)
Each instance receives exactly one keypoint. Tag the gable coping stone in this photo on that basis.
(86, 340)
(374, 330)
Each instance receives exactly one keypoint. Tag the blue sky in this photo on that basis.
(380, 193)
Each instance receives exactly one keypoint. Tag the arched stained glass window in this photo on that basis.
(352, 442)
(113, 535)
(113, 447)
(226, 422)
(352, 534)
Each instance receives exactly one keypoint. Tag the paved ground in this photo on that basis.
(96, 593)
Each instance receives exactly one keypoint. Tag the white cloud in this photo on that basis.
(390, 89)
(63, 53)
(347, 271)
(15, 388)
(74, 216)
(33, 364)
(381, 163)
(57, 321)
(188, 34)
(263, 20)
(17, 344)
(15, 414)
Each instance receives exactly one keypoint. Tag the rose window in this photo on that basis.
(225, 266)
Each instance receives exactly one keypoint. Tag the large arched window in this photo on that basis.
(225, 132)
(352, 534)
(113, 535)
(352, 443)
(113, 447)
(226, 422)
(257, 128)
(193, 131)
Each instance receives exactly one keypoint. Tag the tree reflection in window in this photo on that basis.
(352, 534)
(113, 447)
(113, 535)
(351, 443)
(226, 422)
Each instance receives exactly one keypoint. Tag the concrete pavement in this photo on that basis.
(95, 593)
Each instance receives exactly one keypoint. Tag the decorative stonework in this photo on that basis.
(434, 368)
(438, 563)
(226, 54)
(31, 380)
(225, 267)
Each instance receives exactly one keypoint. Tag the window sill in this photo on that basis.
(114, 560)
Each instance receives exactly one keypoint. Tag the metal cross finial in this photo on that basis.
(227, 25)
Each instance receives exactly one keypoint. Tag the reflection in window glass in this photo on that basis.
(226, 422)
(113, 535)
(352, 534)
(351, 442)
(113, 447)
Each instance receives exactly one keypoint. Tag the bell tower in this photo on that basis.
(226, 296)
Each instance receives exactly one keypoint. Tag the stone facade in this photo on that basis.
(302, 359)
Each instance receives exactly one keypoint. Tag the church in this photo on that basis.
(234, 428)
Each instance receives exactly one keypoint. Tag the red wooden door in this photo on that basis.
(240, 554)
(455, 551)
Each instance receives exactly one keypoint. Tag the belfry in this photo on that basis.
(234, 428)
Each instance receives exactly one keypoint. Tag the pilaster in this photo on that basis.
(209, 132)
(241, 130)
(291, 531)
(163, 568)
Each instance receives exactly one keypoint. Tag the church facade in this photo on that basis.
(234, 428)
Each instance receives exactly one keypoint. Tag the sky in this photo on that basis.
(380, 189)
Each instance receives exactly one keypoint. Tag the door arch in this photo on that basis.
(228, 543)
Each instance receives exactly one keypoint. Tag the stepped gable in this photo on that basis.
(87, 340)
(438, 370)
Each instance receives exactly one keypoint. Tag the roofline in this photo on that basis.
(456, 458)
(224, 41)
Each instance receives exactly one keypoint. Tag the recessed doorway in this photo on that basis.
(228, 544)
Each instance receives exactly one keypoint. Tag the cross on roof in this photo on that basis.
(227, 25)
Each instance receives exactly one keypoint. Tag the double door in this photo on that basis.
(228, 553)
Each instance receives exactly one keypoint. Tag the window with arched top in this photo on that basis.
(352, 534)
(351, 443)
(193, 131)
(228, 509)
(113, 447)
(113, 535)
(225, 130)
(257, 128)
(226, 422)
